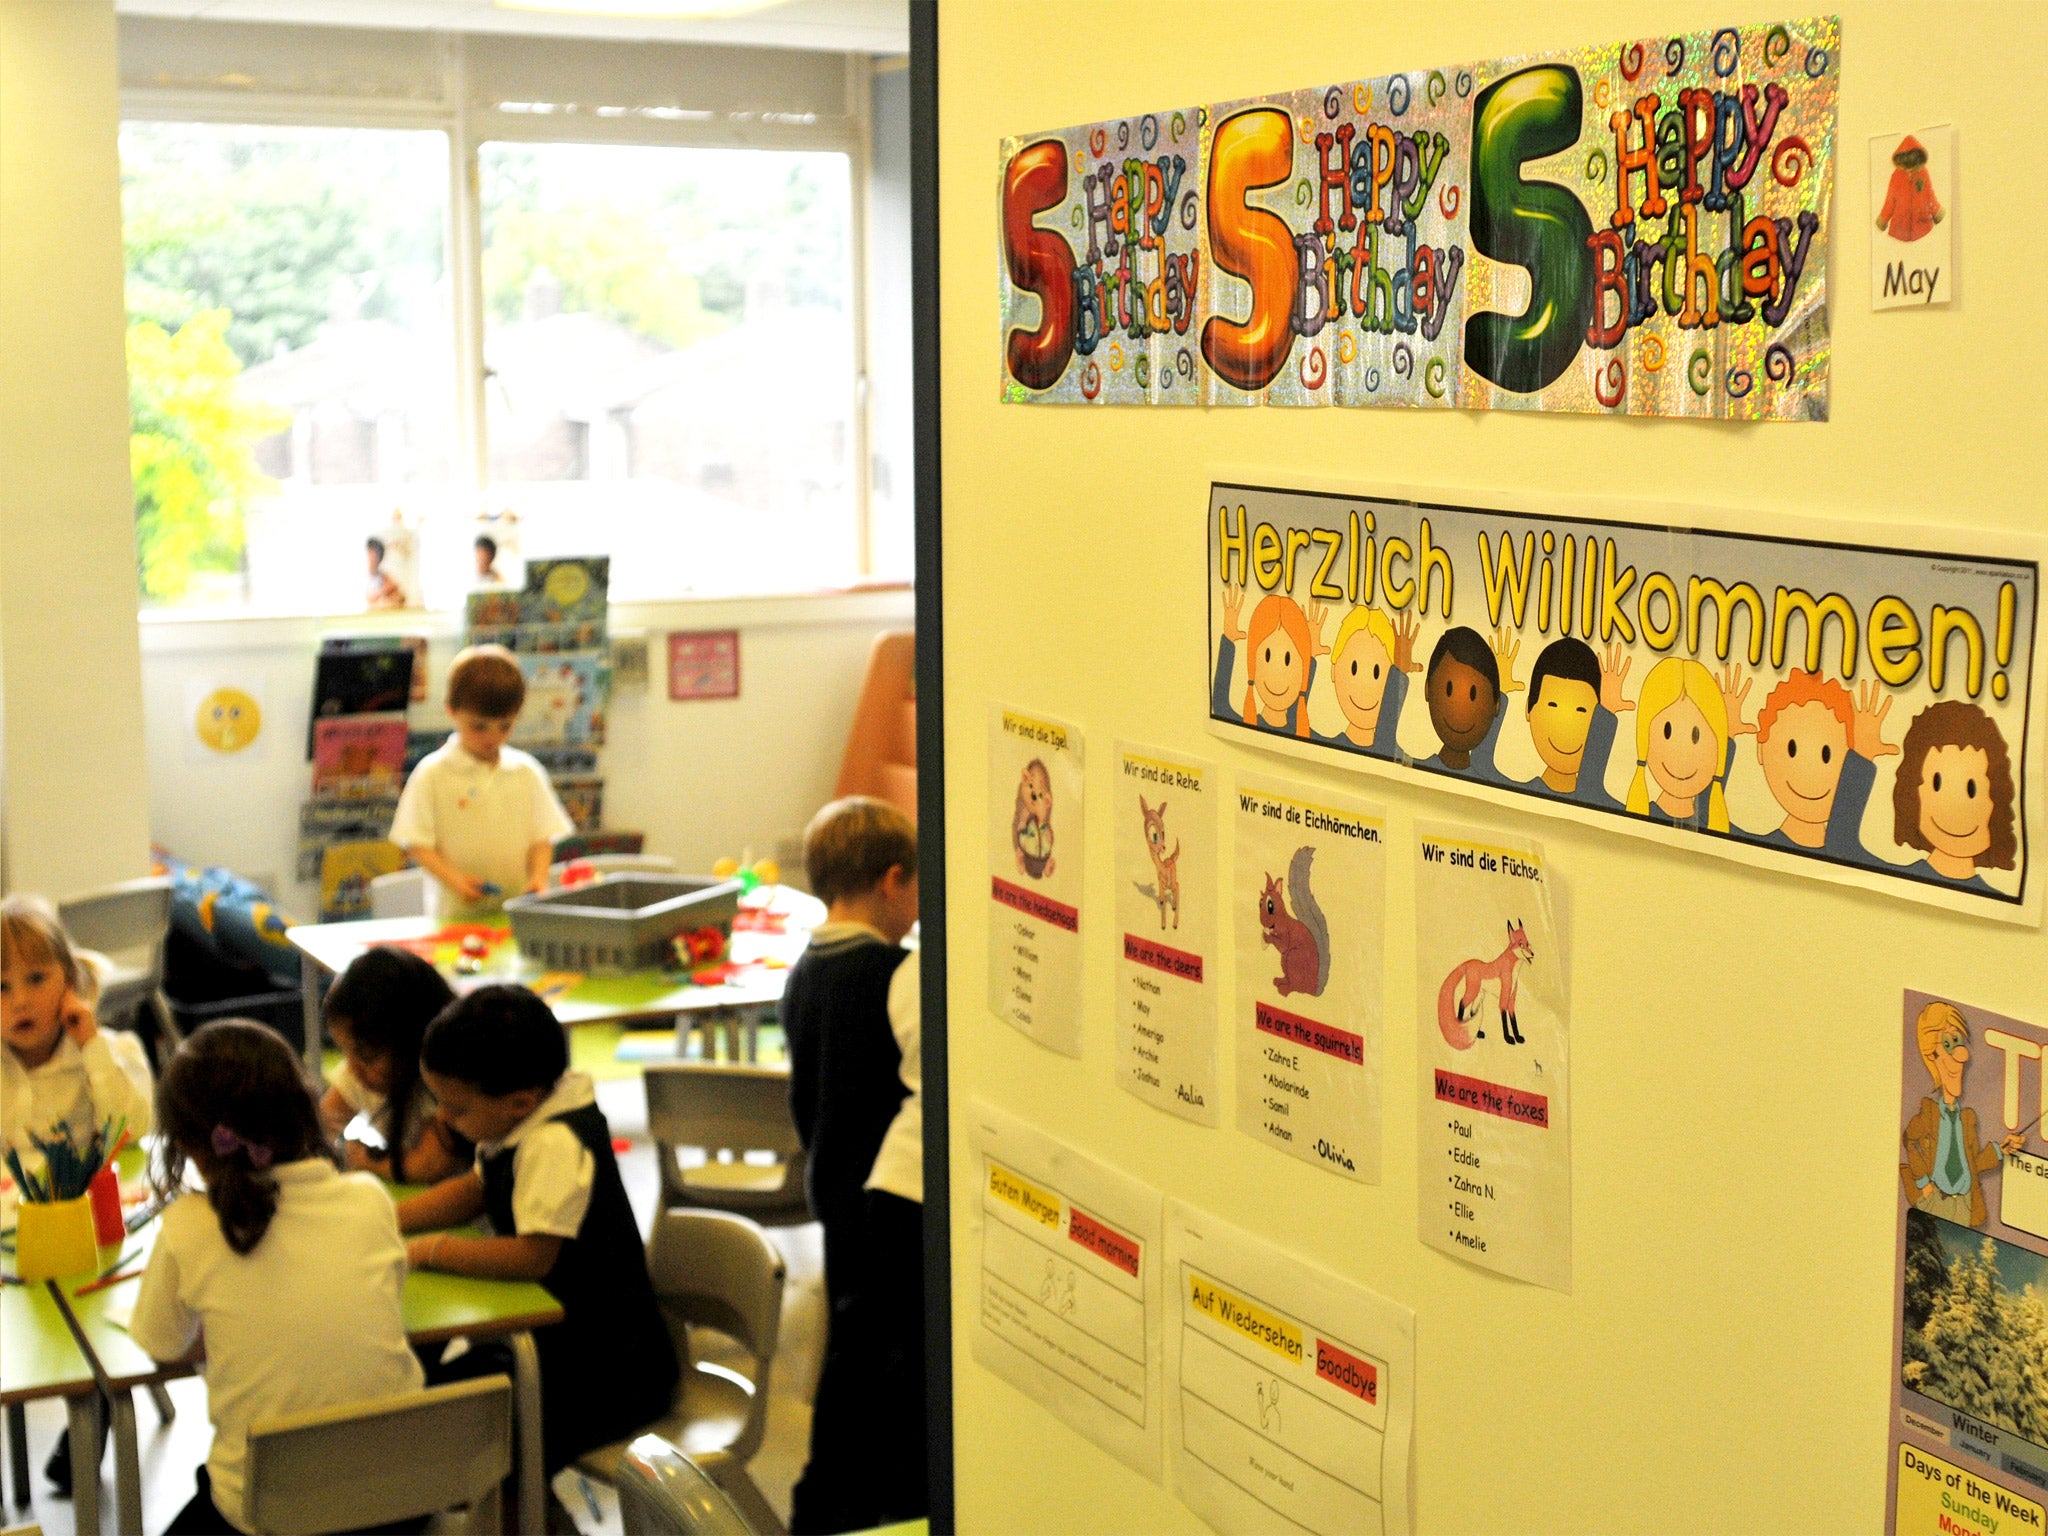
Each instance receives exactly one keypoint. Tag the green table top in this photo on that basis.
(39, 1358)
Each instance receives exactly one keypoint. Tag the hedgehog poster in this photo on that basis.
(1307, 902)
(1164, 811)
(1493, 1130)
(1035, 846)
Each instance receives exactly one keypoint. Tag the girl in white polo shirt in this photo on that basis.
(286, 1271)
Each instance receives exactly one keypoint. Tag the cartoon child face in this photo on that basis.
(1955, 801)
(1359, 675)
(1279, 673)
(1684, 754)
(1561, 721)
(1802, 759)
(1461, 703)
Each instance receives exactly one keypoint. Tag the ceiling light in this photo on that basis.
(672, 10)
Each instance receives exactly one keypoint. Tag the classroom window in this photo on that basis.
(669, 363)
(291, 355)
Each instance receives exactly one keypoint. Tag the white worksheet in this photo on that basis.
(1493, 1133)
(1068, 1256)
(1166, 873)
(1290, 1393)
(1308, 904)
(1035, 782)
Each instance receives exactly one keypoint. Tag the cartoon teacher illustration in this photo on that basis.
(1943, 1155)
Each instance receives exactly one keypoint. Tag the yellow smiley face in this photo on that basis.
(228, 720)
(567, 584)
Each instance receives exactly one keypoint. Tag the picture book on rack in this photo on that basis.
(358, 757)
(565, 699)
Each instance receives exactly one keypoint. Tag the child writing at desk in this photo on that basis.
(286, 1271)
(478, 815)
(377, 1012)
(499, 1065)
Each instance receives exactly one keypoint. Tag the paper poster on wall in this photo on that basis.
(1068, 1254)
(225, 717)
(1849, 712)
(1035, 844)
(1912, 255)
(1290, 1393)
(1391, 242)
(1493, 1127)
(1308, 907)
(1969, 1440)
(1166, 875)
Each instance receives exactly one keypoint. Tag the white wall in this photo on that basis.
(71, 790)
(701, 779)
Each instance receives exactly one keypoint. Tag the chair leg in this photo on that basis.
(486, 1515)
(160, 1395)
(746, 1495)
(17, 1452)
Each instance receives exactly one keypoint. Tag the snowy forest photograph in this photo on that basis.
(1976, 1325)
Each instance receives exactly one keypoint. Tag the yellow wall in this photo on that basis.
(73, 799)
(1721, 1363)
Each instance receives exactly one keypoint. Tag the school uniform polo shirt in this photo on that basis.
(553, 1173)
(481, 817)
(311, 1318)
(899, 1165)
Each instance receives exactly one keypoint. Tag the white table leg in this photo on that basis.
(127, 1466)
(533, 1483)
(309, 1003)
(83, 1412)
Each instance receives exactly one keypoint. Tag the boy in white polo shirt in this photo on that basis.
(478, 815)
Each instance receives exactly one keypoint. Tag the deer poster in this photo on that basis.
(1493, 1131)
(1308, 909)
(1166, 872)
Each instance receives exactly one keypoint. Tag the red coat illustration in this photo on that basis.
(1910, 206)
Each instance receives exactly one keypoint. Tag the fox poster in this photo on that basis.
(1308, 908)
(1493, 1132)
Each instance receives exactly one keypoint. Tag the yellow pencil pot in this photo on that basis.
(55, 1241)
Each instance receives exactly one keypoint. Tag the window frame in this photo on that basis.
(467, 128)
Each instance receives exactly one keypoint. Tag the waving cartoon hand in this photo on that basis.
(1233, 605)
(1866, 737)
(1406, 626)
(2017, 1141)
(1613, 673)
(1506, 647)
(1734, 691)
(1318, 614)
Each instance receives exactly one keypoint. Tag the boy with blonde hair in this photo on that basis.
(845, 1087)
(478, 815)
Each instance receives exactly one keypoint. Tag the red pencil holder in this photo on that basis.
(109, 1228)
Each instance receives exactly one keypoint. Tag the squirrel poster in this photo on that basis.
(1301, 936)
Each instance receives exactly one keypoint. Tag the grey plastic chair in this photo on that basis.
(390, 1458)
(402, 893)
(721, 1107)
(713, 1269)
(664, 1493)
(126, 925)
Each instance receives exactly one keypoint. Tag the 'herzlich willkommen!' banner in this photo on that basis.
(1855, 711)
(1637, 228)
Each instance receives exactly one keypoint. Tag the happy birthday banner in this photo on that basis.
(1853, 712)
(1638, 228)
